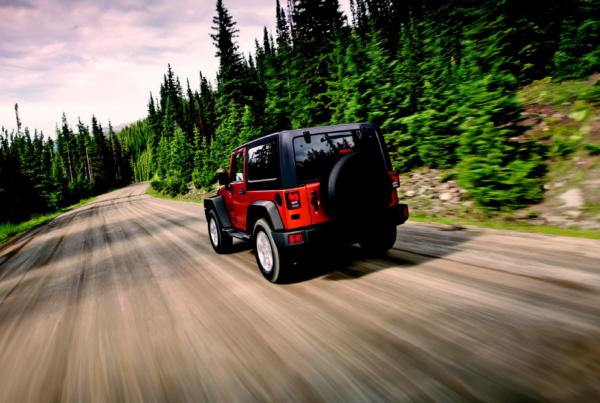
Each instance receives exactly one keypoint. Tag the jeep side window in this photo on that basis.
(237, 168)
(262, 162)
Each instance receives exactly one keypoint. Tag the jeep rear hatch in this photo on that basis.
(315, 153)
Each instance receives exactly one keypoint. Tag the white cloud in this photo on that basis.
(84, 57)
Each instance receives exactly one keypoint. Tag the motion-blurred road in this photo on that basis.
(124, 300)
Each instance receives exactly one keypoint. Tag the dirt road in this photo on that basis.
(124, 300)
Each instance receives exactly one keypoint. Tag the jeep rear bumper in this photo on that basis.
(329, 234)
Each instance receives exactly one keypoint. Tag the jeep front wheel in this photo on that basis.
(268, 256)
(220, 242)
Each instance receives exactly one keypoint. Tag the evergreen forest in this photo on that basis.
(439, 78)
(39, 175)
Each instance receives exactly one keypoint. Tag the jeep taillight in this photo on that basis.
(395, 180)
(296, 238)
(292, 198)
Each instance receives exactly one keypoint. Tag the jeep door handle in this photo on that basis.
(243, 192)
(315, 199)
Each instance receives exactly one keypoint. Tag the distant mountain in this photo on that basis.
(116, 128)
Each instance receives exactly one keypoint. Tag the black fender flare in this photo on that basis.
(217, 203)
(264, 209)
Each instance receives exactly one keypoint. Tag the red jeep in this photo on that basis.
(300, 190)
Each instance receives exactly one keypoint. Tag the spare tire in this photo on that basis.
(355, 187)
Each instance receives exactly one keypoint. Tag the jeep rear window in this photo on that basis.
(325, 149)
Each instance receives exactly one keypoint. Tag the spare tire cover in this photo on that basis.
(355, 187)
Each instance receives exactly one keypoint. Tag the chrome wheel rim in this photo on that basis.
(214, 233)
(265, 253)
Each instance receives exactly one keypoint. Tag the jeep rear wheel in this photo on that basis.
(268, 257)
(378, 239)
(220, 242)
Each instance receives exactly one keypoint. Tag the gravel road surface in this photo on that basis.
(124, 300)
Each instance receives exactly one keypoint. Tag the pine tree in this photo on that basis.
(181, 158)
(155, 126)
(355, 84)
(192, 117)
(250, 128)
(83, 143)
(163, 153)
(499, 173)
(207, 109)
(100, 156)
(46, 183)
(60, 174)
(342, 77)
(278, 77)
(169, 120)
(578, 53)
(230, 68)
(119, 173)
(266, 43)
(436, 128)
(227, 136)
(207, 173)
(282, 29)
(315, 24)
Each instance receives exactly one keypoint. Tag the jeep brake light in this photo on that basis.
(296, 238)
(395, 180)
(293, 199)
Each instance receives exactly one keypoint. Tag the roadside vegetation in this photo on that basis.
(9, 231)
(192, 194)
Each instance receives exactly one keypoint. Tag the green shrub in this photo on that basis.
(497, 187)
(545, 92)
(565, 145)
(446, 176)
(592, 93)
(171, 186)
(183, 189)
(592, 149)
(156, 184)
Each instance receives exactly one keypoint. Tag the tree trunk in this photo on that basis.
(201, 124)
(69, 157)
(90, 175)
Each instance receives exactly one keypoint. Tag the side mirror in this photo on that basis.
(224, 179)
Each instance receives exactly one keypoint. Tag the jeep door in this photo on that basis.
(238, 189)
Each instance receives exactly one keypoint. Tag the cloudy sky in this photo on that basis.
(104, 57)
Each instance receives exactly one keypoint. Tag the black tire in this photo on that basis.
(377, 240)
(352, 175)
(269, 257)
(220, 242)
